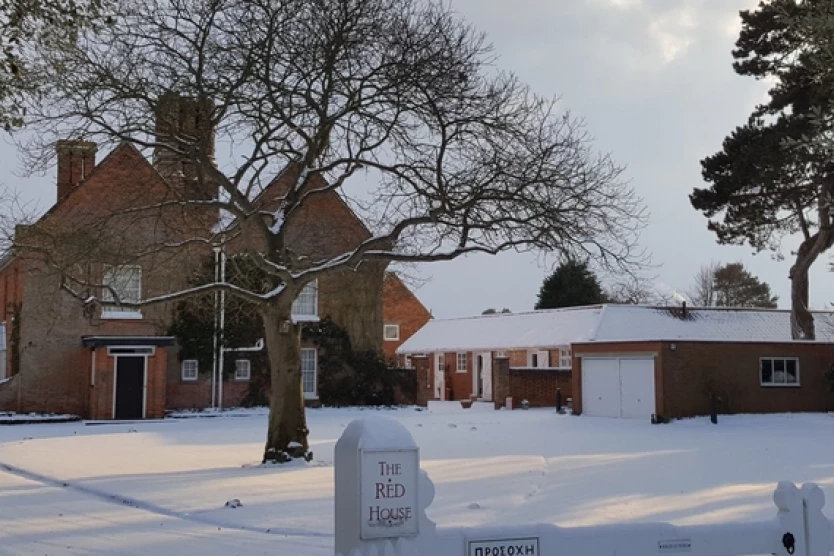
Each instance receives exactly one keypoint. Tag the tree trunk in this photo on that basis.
(287, 435)
(802, 321)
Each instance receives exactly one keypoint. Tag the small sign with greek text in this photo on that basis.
(674, 546)
(505, 547)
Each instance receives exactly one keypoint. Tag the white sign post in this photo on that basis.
(381, 493)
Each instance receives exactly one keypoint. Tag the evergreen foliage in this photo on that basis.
(572, 284)
(774, 176)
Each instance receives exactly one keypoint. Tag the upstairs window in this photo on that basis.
(307, 302)
(126, 282)
(391, 332)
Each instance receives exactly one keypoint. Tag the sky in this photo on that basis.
(654, 83)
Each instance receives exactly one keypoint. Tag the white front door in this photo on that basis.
(439, 377)
(482, 378)
(618, 387)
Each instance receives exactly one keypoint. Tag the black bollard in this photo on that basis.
(713, 409)
(558, 400)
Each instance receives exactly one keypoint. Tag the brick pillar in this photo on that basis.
(423, 370)
(501, 380)
(76, 159)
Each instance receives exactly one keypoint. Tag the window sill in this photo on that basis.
(780, 385)
(121, 315)
(311, 397)
(189, 381)
(305, 318)
(391, 339)
(241, 379)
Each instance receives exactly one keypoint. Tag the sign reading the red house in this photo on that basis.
(389, 494)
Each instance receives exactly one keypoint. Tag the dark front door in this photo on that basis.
(130, 386)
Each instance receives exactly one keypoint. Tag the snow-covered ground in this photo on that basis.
(161, 487)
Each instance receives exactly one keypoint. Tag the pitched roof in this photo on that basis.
(549, 328)
(609, 323)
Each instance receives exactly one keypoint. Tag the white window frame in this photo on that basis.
(305, 308)
(187, 377)
(773, 383)
(243, 365)
(391, 338)
(565, 358)
(501, 353)
(112, 312)
(462, 357)
(310, 395)
(538, 359)
(407, 361)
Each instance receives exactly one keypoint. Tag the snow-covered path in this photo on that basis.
(161, 487)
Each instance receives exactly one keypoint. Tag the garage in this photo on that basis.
(618, 387)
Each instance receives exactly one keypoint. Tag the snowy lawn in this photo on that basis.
(161, 487)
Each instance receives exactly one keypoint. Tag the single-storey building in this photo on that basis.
(637, 361)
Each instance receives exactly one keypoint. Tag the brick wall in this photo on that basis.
(323, 228)
(692, 371)
(196, 394)
(539, 386)
(401, 307)
(500, 381)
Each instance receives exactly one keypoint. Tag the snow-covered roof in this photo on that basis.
(550, 328)
(609, 323)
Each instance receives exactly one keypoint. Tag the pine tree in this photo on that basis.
(735, 286)
(572, 284)
(774, 176)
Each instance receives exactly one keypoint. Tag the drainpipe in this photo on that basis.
(214, 335)
(220, 334)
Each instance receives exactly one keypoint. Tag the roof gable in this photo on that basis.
(123, 178)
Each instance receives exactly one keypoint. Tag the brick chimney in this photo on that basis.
(76, 159)
(185, 124)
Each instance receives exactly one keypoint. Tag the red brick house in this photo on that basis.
(59, 357)
(633, 361)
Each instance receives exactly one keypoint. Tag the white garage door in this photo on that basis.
(601, 387)
(618, 387)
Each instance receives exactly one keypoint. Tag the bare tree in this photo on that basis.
(465, 159)
(27, 26)
(702, 293)
(635, 289)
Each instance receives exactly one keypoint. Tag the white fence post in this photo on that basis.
(791, 517)
(816, 524)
